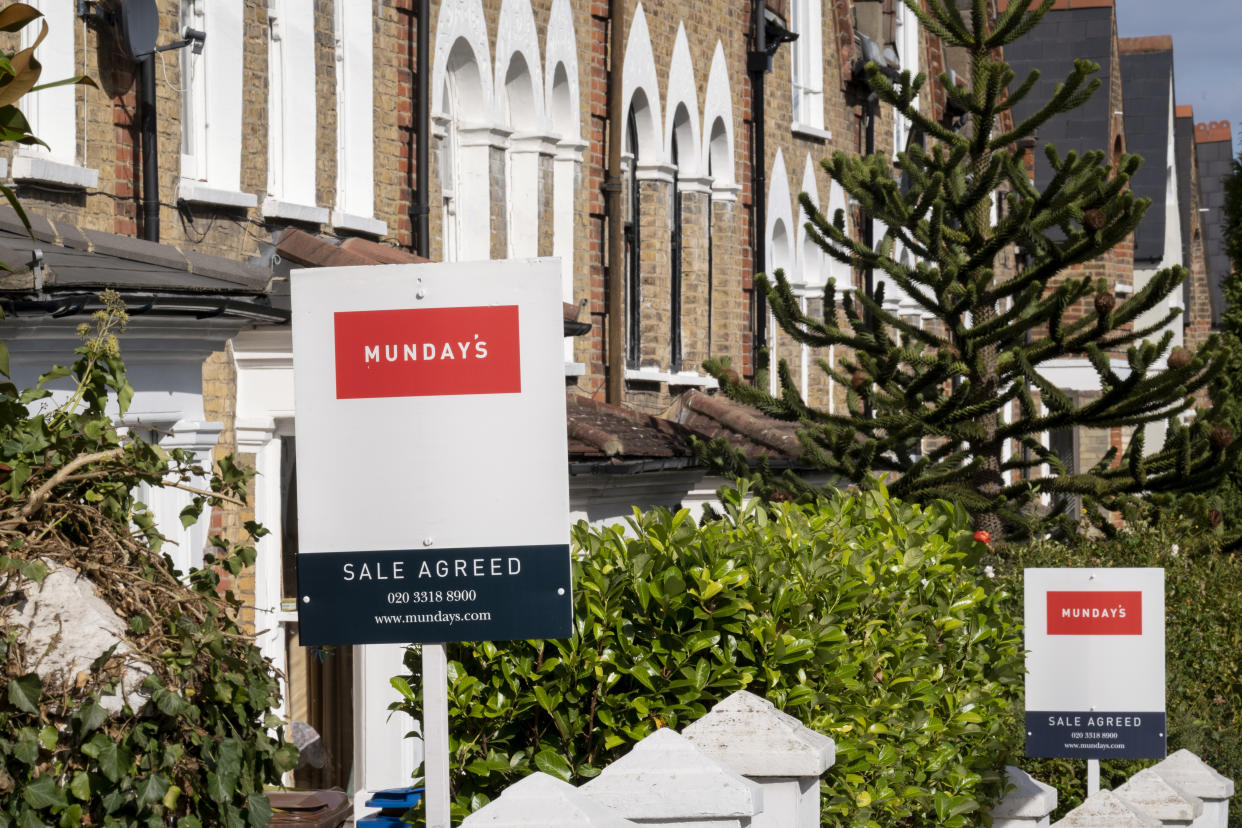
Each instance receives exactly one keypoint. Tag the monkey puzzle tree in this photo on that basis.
(928, 404)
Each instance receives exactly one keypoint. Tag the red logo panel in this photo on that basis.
(1095, 613)
(425, 352)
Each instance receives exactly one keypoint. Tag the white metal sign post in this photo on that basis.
(433, 494)
(1095, 665)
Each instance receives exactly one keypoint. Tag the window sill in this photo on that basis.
(680, 379)
(575, 369)
(47, 171)
(358, 224)
(801, 130)
(196, 192)
(275, 208)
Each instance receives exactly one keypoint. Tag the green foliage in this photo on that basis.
(858, 614)
(928, 401)
(198, 752)
(1203, 635)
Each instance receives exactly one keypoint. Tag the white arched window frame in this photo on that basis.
(563, 114)
(718, 128)
(781, 251)
(520, 101)
(53, 113)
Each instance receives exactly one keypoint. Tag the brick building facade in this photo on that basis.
(301, 117)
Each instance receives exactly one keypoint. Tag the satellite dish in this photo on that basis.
(140, 23)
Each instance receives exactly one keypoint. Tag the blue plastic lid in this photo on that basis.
(396, 798)
(380, 819)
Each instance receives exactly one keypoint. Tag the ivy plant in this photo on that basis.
(196, 746)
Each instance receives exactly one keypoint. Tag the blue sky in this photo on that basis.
(1207, 51)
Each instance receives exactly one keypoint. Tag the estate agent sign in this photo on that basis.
(1095, 663)
(433, 495)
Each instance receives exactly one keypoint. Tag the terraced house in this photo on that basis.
(656, 148)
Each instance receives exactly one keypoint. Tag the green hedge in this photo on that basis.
(1203, 639)
(860, 615)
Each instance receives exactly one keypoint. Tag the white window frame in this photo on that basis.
(53, 113)
(807, 70)
(211, 105)
(355, 122)
(291, 112)
(907, 37)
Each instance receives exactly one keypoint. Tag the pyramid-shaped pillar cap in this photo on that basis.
(544, 801)
(755, 739)
(1151, 793)
(665, 776)
(1028, 798)
(1106, 810)
(1193, 775)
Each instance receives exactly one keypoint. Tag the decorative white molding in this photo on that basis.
(533, 142)
(639, 74)
(718, 105)
(483, 135)
(725, 192)
(359, 224)
(679, 379)
(561, 49)
(801, 130)
(516, 35)
(655, 171)
(47, 171)
(695, 184)
(683, 91)
(276, 208)
(462, 22)
(197, 192)
(571, 150)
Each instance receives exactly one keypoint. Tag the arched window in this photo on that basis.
(681, 134)
(633, 294)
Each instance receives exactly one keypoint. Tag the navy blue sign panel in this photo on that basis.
(1095, 735)
(420, 596)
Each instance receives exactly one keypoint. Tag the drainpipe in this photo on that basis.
(757, 62)
(612, 197)
(422, 106)
(150, 152)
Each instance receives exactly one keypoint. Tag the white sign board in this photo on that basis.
(1095, 663)
(433, 496)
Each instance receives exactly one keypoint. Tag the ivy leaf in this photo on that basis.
(80, 787)
(286, 757)
(25, 692)
(48, 737)
(151, 788)
(90, 716)
(43, 792)
(71, 816)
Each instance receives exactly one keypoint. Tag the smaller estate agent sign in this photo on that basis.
(1095, 663)
(433, 495)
